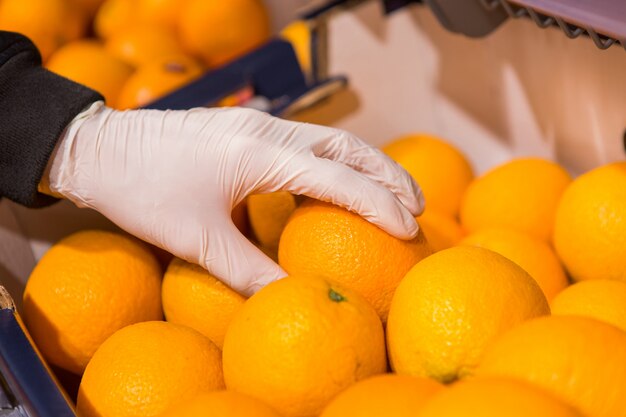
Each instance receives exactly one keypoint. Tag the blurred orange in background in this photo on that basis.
(164, 44)
(161, 43)
(442, 171)
(157, 78)
(88, 63)
(43, 21)
(142, 44)
(77, 24)
(163, 13)
(218, 31)
(113, 16)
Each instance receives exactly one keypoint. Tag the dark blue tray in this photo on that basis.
(272, 71)
(26, 387)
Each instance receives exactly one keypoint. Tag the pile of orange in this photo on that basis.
(135, 51)
(475, 316)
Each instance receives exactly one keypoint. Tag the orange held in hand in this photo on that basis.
(323, 240)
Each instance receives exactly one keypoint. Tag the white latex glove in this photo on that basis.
(172, 178)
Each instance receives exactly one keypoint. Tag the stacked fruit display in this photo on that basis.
(365, 324)
(135, 51)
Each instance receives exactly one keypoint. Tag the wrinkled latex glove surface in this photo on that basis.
(172, 178)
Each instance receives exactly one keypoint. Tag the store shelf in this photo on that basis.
(604, 21)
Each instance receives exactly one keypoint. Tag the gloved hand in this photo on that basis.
(172, 178)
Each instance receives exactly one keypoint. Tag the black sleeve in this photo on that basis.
(35, 107)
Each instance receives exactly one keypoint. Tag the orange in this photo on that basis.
(441, 170)
(601, 299)
(324, 240)
(114, 16)
(195, 298)
(268, 214)
(441, 231)
(534, 255)
(580, 360)
(386, 395)
(144, 369)
(161, 13)
(496, 397)
(88, 63)
(522, 195)
(219, 31)
(156, 79)
(86, 287)
(590, 231)
(143, 44)
(451, 305)
(87, 7)
(43, 21)
(223, 404)
(298, 342)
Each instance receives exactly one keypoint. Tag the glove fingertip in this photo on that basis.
(421, 204)
(412, 229)
(272, 274)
